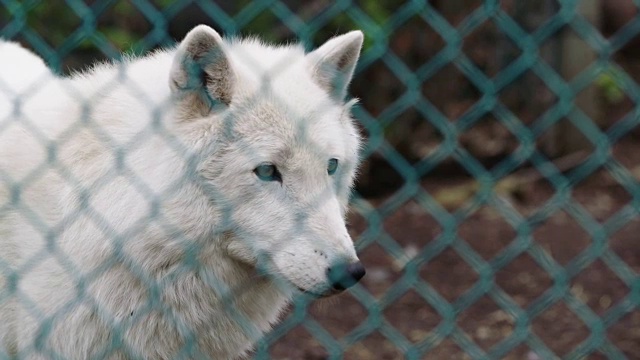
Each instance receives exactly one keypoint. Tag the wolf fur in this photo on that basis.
(132, 221)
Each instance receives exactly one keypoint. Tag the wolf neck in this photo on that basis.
(217, 295)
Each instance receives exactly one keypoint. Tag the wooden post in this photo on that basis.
(577, 55)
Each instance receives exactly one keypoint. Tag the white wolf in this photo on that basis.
(170, 206)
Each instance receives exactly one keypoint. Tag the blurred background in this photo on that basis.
(497, 207)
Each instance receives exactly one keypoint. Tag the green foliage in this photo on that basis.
(609, 83)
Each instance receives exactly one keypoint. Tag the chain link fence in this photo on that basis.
(496, 211)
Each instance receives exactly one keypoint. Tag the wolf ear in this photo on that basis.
(333, 63)
(201, 78)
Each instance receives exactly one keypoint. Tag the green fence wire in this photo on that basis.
(84, 31)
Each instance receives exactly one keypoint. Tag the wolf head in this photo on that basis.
(284, 152)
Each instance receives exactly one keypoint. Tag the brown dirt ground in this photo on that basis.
(484, 322)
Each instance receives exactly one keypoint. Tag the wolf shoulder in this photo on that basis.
(20, 69)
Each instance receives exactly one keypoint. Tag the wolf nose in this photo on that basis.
(344, 276)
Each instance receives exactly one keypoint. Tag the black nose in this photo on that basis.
(344, 276)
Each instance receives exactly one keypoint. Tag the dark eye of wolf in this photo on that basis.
(268, 172)
(332, 166)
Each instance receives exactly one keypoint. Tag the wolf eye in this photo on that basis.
(267, 172)
(332, 166)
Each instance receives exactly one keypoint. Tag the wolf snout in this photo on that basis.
(343, 276)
